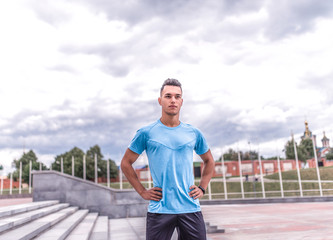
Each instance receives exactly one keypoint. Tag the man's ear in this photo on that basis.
(159, 100)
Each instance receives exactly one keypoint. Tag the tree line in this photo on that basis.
(78, 155)
(304, 152)
(232, 155)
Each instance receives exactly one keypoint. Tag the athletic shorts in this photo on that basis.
(190, 226)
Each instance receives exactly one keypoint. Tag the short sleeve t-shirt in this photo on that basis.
(170, 156)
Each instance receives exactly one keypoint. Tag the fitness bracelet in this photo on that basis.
(202, 189)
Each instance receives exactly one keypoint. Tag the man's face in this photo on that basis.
(171, 100)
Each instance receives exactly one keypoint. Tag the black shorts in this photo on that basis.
(190, 226)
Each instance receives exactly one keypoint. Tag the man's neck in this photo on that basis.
(170, 121)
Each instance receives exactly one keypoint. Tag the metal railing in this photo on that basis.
(218, 188)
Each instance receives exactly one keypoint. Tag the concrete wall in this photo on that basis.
(52, 185)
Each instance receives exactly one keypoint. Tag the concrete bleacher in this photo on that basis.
(66, 207)
(51, 220)
(114, 203)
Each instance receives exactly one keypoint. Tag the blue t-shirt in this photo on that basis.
(170, 156)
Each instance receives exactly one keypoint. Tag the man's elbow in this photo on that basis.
(123, 165)
(211, 162)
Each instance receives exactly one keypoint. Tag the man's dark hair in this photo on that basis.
(171, 82)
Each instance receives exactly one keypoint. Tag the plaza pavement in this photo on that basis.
(278, 221)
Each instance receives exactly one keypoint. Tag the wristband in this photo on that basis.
(202, 189)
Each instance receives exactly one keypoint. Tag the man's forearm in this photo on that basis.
(131, 176)
(207, 173)
(154, 193)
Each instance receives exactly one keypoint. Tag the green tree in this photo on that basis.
(113, 169)
(75, 153)
(101, 164)
(25, 159)
(230, 155)
(329, 155)
(290, 153)
(78, 154)
(306, 147)
(250, 155)
(233, 155)
(273, 158)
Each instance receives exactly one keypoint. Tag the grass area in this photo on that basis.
(15, 191)
(254, 190)
(326, 173)
(272, 189)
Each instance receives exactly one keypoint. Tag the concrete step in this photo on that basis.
(34, 228)
(12, 221)
(84, 229)
(62, 229)
(101, 229)
(127, 228)
(213, 228)
(135, 228)
(20, 208)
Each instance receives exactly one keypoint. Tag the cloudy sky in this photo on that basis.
(84, 72)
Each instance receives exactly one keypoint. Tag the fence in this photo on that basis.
(218, 188)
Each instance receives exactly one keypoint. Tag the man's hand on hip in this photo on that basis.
(195, 192)
(154, 193)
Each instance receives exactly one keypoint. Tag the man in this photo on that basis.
(169, 145)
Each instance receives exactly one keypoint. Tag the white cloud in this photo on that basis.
(79, 74)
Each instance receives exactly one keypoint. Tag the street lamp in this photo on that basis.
(253, 173)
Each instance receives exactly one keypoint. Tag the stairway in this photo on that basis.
(51, 220)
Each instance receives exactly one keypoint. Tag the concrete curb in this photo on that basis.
(22, 195)
(268, 200)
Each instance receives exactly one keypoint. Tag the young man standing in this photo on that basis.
(169, 145)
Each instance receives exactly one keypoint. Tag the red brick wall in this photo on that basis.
(326, 163)
(6, 184)
(233, 167)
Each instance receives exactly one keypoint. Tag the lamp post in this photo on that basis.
(11, 178)
(1, 188)
(20, 181)
(253, 172)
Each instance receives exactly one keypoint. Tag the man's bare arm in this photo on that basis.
(207, 173)
(126, 166)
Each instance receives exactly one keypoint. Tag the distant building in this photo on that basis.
(250, 167)
(325, 147)
(321, 151)
(308, 134)
(6, 183)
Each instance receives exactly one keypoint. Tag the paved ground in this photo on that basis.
(14, 201)
(281, 221)
(294, 221)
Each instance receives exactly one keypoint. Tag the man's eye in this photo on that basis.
(168, 96)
